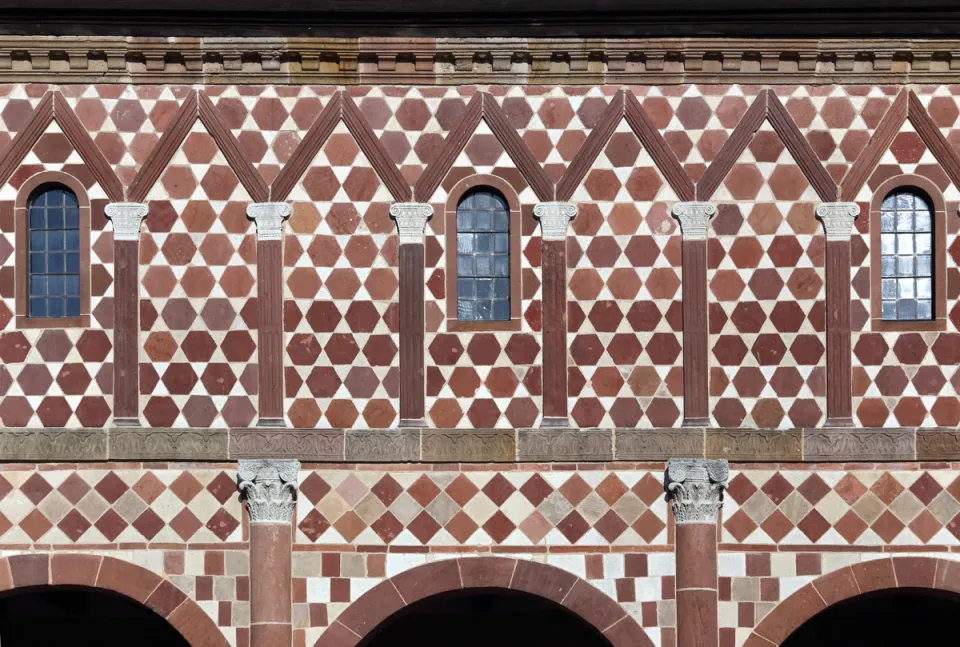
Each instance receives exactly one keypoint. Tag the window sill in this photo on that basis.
(884, 325)
(455, 325)
(83, 321)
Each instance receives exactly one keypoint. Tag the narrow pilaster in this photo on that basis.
(269, 490)
(269, 217)
(837, 218)
(694, 220)
(695, 491)
(554, 218)
(126, 218)
(411, 220)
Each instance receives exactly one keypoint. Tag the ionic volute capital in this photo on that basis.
(695, 488)
(269, 217)
(694, 218)
(126, 218)
(269, 489)
(837, 219)
(554, 218)
(411, 220)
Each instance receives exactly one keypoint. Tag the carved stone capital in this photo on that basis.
(694, 218)
(554, 218)
(269, 489)
(269, 217)
(837, 218)
(411, 220)
(126, 218)
(695, 488)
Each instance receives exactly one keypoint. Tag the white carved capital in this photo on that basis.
(126, 218)
(269, 489)
(694, 218)
(269, 217)
(695, 488)
(837, 218)
(554, 218)
(411, 220)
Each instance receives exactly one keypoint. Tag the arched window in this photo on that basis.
(906, 256)
(53, 262)
(483, 256)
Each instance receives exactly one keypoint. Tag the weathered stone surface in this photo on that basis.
(468, 445)
(168, 444)
(938, 444)
(754, 445)
(53, 445)
(858, 445)
(658, 444)
(565, 445)
(313, 445)
(382, 445)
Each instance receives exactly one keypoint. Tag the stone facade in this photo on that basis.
(269, 426)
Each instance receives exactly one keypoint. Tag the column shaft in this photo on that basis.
(696, 401)
(412, 380)
(270, 330)
(553, 263)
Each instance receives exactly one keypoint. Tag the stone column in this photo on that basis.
(411, 220)
(269, 217)
(126, 218)
(269, 490)
(695, 490)
(837, 218)
(554, 218)
(694, 220)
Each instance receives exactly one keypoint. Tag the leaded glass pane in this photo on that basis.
(483, 257)
(906, 246)
(54, 263)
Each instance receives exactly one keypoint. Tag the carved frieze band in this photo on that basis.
(837, 218)
(695, 488)
(454, 60)
(269, 489)
(269, 217)
(126, 218)
(694, 218)
(411, 220)
(554, 218)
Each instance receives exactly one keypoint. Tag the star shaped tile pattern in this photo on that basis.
(341, 313)
(766, 294)
(198, 307)
(56, 378)
(624, 293)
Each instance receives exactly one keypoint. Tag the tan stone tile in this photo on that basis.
(758, 507)
(944, 507)
(832, 507)
(795, 507)
(869, 507)
(370, 508)
(906, 506)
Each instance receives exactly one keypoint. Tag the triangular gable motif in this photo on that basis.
(767, 106)
(483, 107)
(626, 106)
(907, 106)
(340, 106)
(197, 106)
(54, 107)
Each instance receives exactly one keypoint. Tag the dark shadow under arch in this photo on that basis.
(890, 618)
(482, 617)
(51, 616)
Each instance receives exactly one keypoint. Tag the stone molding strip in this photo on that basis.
(479, 445)
(82, 59)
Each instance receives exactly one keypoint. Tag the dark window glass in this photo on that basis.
(906, 257)
(483, 257)
(54, 254)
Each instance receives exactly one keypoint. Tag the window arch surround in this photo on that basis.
(454, 196)
(930, 192)
(28, 189)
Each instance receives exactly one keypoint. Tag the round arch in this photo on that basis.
(851, 581)
(130, 580)
(582, 599)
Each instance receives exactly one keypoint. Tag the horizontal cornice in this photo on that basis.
(345, 61)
